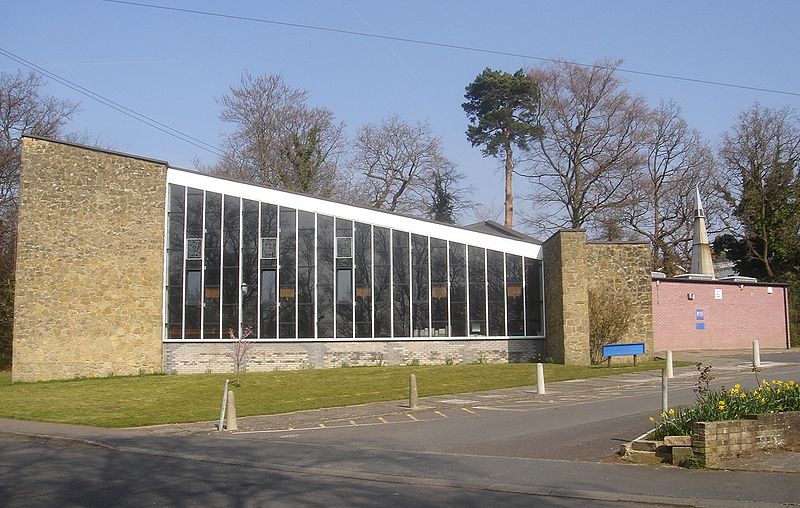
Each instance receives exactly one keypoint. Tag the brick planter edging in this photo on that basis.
(714, 441)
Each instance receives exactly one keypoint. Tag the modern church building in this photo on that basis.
(127, 265)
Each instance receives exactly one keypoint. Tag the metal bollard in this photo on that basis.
(540, 388)
(670, 373)
(756, 355)
(664, 391)
(413, 397)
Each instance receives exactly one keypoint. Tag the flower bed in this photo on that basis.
(734, 404)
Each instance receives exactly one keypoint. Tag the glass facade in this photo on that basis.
(236, 266)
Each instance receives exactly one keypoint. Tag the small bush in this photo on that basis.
(609, 319)
(733, 404)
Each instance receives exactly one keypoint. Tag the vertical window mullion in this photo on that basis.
(316, 270)
(278, 270)
(449, 297)
(486, 288)
(372, 277)
(258, 275)
(466, 277)
(241, 264)
(221, 262)
(505, 296)
(524, 299)
(410, 285)
(203, 270)
(183, 263)
(353, 278)
(428, 291)
(391, 281)
(296, 273)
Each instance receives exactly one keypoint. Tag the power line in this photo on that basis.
(450, 46)
(186, 138)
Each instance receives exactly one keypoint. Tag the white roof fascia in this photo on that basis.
(356, 213)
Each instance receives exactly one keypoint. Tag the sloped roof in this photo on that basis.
(493, 228)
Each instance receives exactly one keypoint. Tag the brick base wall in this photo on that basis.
(195, 358)
(717, 315)
(712, 442)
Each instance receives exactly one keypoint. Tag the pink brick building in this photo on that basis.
(714, 314)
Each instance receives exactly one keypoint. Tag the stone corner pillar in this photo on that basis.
(566, 297)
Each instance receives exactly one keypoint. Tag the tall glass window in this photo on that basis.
(383, 283)
(515, 303)
(439, 322)
(533, 297)
(230, 267)
(212, 273)
(250, 268)
(495, 293)
(177, 201)
(325, 274)
(236, 264)
(477, 291)
(268, 279)
(419, 285)
(193, 311)
(363, 278)
(402, 294)
(344, 278)
(458, 289)
(286, 273)
(305, 274)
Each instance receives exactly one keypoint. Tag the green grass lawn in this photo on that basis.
(154, 399)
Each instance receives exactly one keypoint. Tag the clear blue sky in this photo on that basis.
(172, 66)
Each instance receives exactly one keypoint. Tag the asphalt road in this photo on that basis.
(518, 449)
(44, 474)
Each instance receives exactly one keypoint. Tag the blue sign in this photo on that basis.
(699, 314)
(637, 348)
(700, 326)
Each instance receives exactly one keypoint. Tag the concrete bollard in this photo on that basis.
(540, 389)
(756, 355)
(664, 391)
(670, 373)
(230, 423)
(221, 423)
(413, 397)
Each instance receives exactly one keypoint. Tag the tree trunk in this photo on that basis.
(509, 203)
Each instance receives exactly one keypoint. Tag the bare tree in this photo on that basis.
(395, 159)
(442, 196)
(278, 139)
(23, 110)
(677, 159)
(591, 146)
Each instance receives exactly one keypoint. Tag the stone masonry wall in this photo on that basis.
(573, 268)
(566, 299)
(89, 263)
(713, 442)
(625, 268)
(198, 358)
